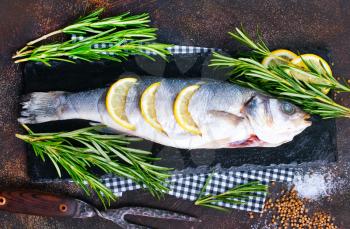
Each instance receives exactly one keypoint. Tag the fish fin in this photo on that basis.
(232, 118)
(41, 107)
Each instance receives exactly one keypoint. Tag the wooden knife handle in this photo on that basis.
(38, 203)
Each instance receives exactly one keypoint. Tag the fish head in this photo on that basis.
(275, 121)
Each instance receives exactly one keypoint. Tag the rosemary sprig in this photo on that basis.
(311, 75)
(258, 47)
(92, 24)
(237, 195)
(77, 151)
(130, 35)
(277, 81)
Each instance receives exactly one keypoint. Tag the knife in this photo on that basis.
(46, 204)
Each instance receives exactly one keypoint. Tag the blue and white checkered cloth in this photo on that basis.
(188, 186)
(175, 49)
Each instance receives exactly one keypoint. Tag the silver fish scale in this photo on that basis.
(84, 105)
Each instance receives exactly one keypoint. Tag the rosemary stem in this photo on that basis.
(21, 60)
(200, 201)
(33, 139)
(22, 137)
(45, 37)
(22, 52)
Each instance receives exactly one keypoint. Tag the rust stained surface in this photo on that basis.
(288, 24)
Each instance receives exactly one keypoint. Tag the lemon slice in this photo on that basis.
(181, 113)
(313, 59)
(116, 99)
(279, 56)
(318, 63)
(148, 106)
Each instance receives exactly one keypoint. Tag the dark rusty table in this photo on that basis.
(203, 23)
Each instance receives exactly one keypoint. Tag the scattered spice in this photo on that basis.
(290, 211)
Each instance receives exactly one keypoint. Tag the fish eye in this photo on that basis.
(288, 108)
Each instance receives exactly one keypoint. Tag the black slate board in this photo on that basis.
(317, 142)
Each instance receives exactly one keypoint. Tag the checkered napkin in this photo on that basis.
(188, 186)
(175, 49)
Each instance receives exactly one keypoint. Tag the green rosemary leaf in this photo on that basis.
(307, 90)
(258, 47)
(130, 35)
(77, 151)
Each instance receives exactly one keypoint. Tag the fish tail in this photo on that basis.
(41, 107)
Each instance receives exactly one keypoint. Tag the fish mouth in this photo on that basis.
(308, 119)
(307, 116)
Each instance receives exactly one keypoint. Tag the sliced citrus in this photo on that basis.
(182, 115)
(116, 100)
(317, 62)
(279, 56)
(148, 106)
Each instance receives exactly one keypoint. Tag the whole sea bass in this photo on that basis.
(227, 115)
